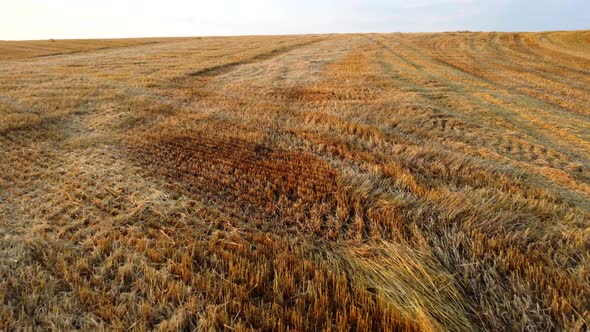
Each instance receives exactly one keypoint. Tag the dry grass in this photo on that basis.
(19, 50)
(335, 182)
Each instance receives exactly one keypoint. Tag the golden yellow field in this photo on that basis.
(333, 182)
(18, 50)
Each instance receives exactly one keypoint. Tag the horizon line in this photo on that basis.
(301, 34)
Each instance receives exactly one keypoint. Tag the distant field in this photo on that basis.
(17, 50)
(332, 182)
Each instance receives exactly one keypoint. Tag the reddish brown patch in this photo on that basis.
(293, 187)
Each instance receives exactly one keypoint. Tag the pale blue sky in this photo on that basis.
(36, 19)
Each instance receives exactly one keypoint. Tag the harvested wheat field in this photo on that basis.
(319, 182)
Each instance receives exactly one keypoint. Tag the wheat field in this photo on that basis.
(366, 182)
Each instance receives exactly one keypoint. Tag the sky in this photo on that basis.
(36, 19)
